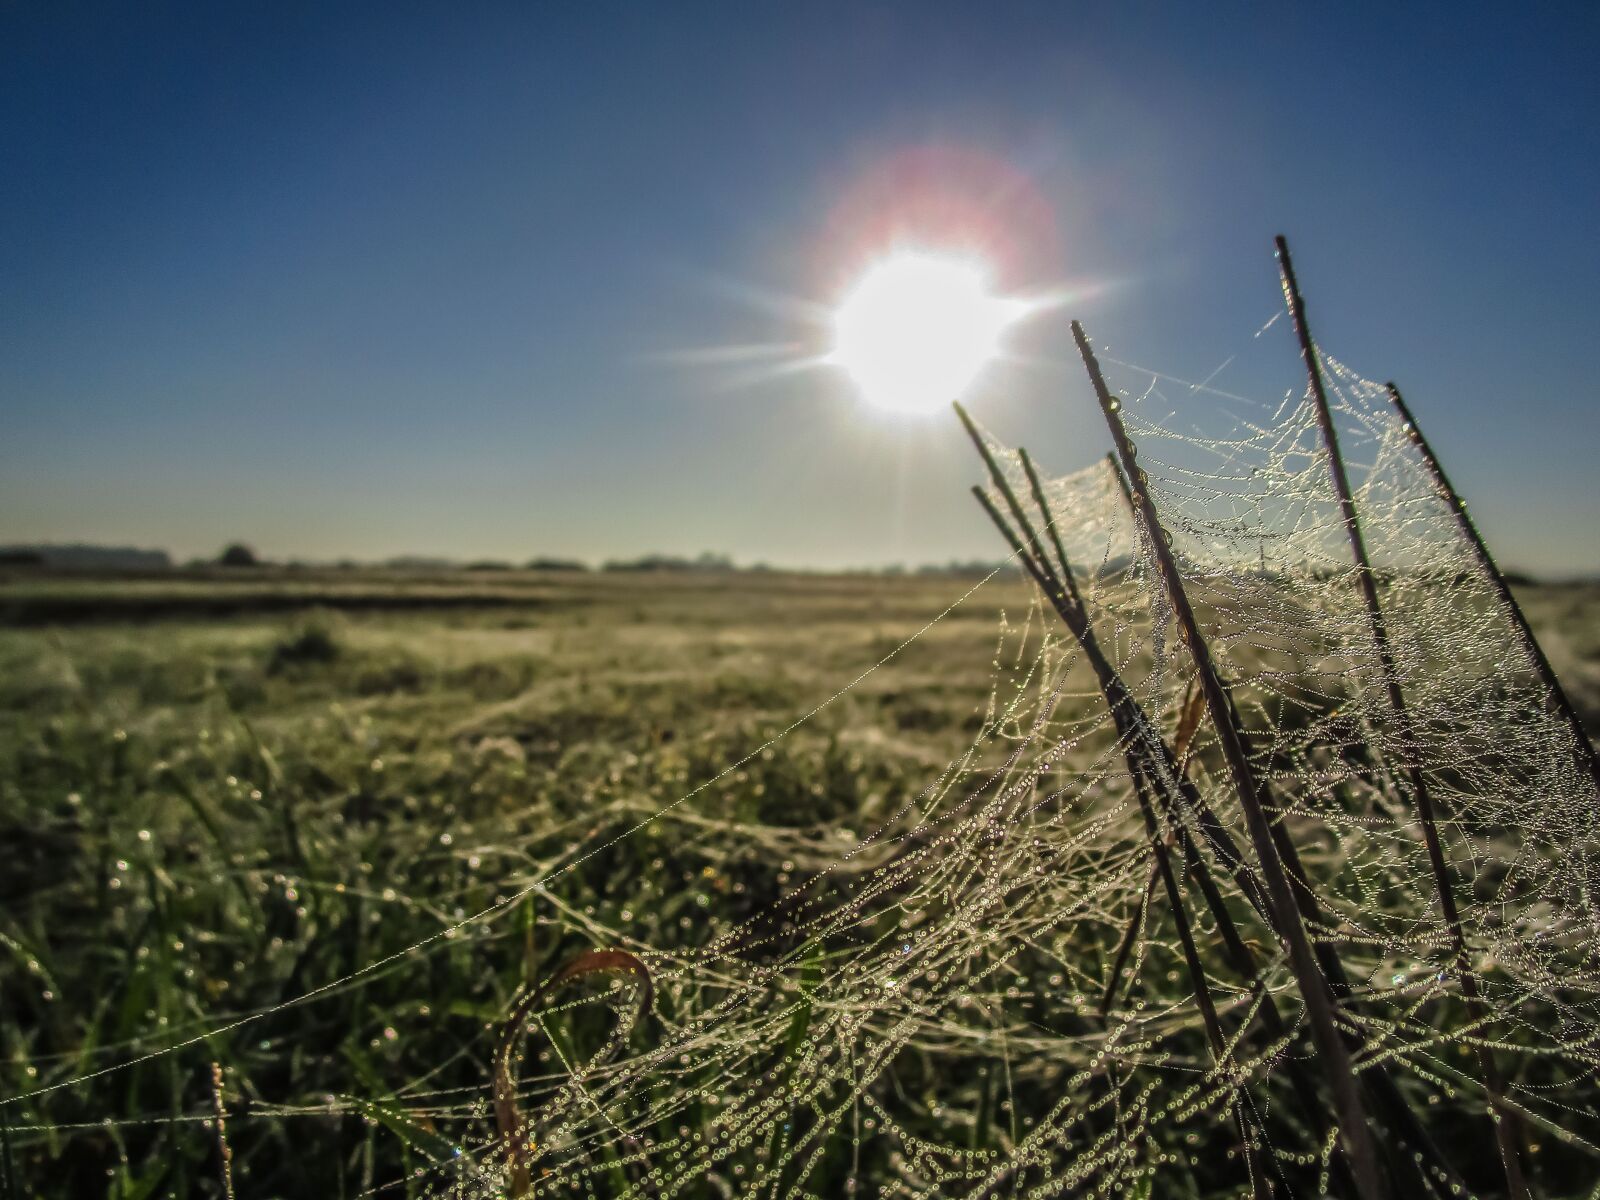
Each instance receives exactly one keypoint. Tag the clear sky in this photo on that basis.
(504, 280)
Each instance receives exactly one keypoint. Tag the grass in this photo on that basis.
(217, 794)
(213, 812)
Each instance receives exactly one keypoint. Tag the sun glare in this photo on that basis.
(918, 328)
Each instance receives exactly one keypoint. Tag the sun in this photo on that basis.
(918, 328)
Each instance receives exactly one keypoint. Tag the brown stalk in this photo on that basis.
(1128, 719)
(1507, 1132)
(508, 1116)
(1353, 1129)
(224, 1151)
(1480, 550)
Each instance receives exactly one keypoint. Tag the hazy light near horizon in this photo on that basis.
(918, 328)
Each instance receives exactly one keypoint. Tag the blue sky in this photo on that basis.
(429, 278)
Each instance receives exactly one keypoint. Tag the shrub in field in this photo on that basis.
(238, 554)
(311, 642)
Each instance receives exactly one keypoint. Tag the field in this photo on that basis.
(220, 792)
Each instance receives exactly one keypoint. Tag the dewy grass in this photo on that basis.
(197, 834)
(199, 838)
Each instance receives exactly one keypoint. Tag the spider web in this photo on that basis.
(888, 1001)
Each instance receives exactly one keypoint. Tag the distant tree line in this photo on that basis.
(241, 555)
(81, 556)
(671, 562)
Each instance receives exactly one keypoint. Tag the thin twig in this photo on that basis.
(1507, 1132)
(224, 1151)
(1353, 1129)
